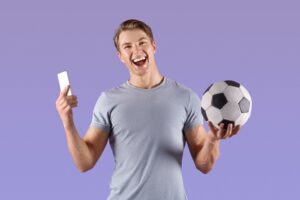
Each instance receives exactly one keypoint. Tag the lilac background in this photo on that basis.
(199, 42)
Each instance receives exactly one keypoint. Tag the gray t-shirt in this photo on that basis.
(146, 133)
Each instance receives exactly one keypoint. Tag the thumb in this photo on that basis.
(212, 127)
(65, 91)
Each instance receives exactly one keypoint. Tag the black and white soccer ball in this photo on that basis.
(226, 102)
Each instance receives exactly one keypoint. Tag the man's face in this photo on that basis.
(136, 51)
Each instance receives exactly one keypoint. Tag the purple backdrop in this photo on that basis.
(199, 42)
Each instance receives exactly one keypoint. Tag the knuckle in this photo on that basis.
(64, 104)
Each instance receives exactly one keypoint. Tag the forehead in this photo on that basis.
(130, 36)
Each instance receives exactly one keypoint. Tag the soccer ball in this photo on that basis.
(226, 102)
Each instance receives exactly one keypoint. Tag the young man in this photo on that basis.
(147, 121)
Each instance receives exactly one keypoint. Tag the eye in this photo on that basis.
(142, 43)
(127, 47)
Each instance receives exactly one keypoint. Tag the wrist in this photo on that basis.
(68, 124)
(212, 139)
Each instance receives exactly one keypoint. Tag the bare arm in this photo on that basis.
(204, 146)
(85, 152)
(203, 151)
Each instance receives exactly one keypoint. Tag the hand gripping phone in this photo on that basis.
(63, 80)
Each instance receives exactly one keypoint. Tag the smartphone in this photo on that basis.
(63, 80)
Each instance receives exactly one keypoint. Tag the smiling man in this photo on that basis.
(147, 120)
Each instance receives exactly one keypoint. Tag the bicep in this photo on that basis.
(96, 139)
(195, 138)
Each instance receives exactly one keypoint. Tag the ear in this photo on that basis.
(120, 56)
(154, 46)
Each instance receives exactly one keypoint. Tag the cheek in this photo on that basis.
(150, 51)
(126, 56)
(128, 60)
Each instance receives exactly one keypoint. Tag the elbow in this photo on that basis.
(83, 169)
(204, 168)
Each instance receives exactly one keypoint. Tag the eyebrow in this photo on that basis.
(127, 43)
(142, 38)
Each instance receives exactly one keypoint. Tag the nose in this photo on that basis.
(137, 49)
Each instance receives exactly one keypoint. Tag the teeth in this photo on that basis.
(139, 59)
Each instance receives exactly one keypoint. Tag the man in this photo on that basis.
(147, 121)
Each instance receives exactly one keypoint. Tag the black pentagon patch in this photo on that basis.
(244, 105)
(226, 123)
(208, 88)
(232, 83)
(204, 114)
(219, 100)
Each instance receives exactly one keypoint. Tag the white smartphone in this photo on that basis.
(63, 80)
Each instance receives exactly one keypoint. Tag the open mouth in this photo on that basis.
(139, 62)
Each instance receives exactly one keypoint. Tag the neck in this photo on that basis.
(146, 81)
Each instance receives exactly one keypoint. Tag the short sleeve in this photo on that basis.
(194, 116)
(101, 114)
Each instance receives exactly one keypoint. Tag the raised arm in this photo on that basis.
(85, 152)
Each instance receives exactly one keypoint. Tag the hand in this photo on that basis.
(64, 105)
(221, 133)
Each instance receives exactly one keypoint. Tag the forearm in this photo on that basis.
(207, 155)
(78, 148)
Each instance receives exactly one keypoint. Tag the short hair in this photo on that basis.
(132, 24)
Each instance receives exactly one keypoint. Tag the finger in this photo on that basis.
(67, 108)
(72, 104)
(235, 130)
(65, 102)
(71, 101)
(228, 131)
(213, 129)
(220, 131)
(72, 97)
(65, 91)
(64, 105)
(58, 102)
(61, 101)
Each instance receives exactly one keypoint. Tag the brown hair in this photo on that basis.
(132, 24)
